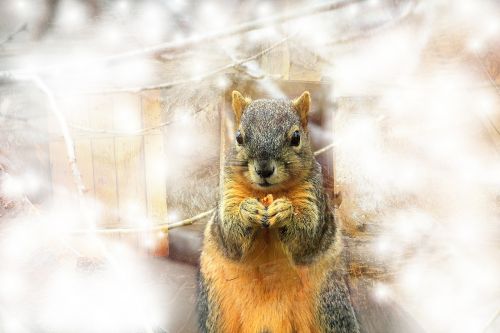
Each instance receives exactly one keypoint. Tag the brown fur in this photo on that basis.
(258, 293)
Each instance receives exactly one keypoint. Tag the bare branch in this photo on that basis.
(139, 131)
(377, 28)
(324, 149)
(13, 34)
(207, 38)
(368, 32)
(492, 321)
(191, 220)
(167, 85)
(166, 226)
(70, 146)
(158, 227)
(488, 123)
(244, 67)
(54, 108)
(253, 70)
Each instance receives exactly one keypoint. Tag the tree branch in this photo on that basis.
(54, 109)
(61, 120)
(324, 149)
(13, 34)
(492, 321)
(166, 226)
(139, 131)
(206, 38)
(158, 227)
(167, 85)
(485, 119)
(377, 28)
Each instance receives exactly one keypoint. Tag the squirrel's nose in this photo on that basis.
(264, 169)
(265, 173)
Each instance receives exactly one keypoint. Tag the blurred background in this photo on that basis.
(115, 119)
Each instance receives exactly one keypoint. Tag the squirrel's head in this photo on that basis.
(271, 140)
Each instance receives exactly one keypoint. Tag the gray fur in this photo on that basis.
(336, 313)
(202, 305)
(228, 234)
(308, 240)
(265, 123)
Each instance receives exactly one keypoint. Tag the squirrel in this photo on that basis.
(272, 253)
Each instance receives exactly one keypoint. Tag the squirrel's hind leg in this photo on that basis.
(336, 313)
(205, 323)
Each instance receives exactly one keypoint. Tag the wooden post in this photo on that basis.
(129, 165)
(103, 162)
(155, 168)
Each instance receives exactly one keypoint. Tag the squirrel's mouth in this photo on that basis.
(265, 184)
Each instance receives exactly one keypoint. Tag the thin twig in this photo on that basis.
(166, 226)
(493, 84)
(254, 71)
(158, 227)
(324, 149)
(376, 28)
(135, 132)
(244, 68)
(139, 131)
(369, 32)
(198, 78)
(61, 120)
(9, 37)
(491, 321)
(191, 220)
(54, 109)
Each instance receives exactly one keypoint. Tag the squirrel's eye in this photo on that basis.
(239, 138)
(295, 141)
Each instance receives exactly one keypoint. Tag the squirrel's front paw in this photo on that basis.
(280, 212)
(252, 211)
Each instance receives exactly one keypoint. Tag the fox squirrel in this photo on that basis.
(271, 259)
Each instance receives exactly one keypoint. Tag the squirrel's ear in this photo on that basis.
(239, 104)
(303, 104)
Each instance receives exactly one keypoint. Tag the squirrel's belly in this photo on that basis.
(263, 293)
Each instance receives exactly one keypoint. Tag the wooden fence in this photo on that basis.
(120, 143)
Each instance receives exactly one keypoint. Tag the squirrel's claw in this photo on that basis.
(253, 212)
(280, 212)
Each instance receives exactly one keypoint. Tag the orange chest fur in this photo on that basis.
(263, 292)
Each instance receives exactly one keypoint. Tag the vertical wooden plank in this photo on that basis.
(129, 165)
(129, 159)
(303, 73)
(62, 180)
(83, 149)
(101, 117)
(155, 168)
(276, 61)
(154, 157)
